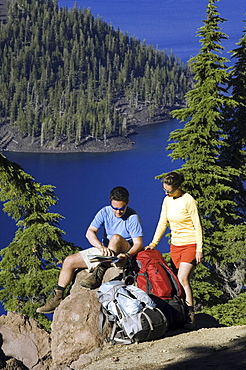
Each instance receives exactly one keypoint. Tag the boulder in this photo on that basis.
(7, 363)
(76, 338)
(12, 364)
(25, 340)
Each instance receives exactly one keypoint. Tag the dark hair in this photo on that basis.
(174, 179)
(119, 193)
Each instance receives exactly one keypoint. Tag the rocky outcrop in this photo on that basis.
(75, 337)
(12, 140)
(76, 343)
(24, 339)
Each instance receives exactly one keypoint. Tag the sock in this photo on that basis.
(58, 287)
(106, 264)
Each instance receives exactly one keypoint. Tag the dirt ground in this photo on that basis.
(210, 346)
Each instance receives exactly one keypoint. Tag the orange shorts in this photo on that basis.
(183, 253)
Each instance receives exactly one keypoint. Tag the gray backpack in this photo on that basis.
(132, 313)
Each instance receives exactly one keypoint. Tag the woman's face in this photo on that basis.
(170, 190)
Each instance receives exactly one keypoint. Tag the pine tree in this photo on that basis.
(46, 51)
(29, 265)
(236, 129)
(200, 144)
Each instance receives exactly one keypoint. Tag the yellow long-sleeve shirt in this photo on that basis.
(182, 215)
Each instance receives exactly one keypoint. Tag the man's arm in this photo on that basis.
(91, 235)
(137, 246)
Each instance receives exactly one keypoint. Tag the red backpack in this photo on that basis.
(155, 277)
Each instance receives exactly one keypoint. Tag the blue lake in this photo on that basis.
(83, 182)
(169, 24)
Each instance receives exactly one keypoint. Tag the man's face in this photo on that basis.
(118, 207)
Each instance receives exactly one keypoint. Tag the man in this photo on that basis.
(123, 238)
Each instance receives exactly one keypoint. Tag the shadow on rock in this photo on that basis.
(203, 320)
(228, 357)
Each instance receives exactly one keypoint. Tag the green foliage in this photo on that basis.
(63, 71)
(29, 266)
(231, 313)
(205, 286)
(202, 144)
(236, 129)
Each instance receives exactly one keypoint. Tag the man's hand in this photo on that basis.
(122, 256)
(106, 251)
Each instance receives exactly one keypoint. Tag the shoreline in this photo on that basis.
(11, 140)
(13, 143)
(94, 146)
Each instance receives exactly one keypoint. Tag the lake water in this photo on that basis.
(83, 182)
(168, 24)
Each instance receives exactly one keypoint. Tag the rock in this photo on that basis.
(75, 328)
(112, 274)
(12, 140)
(24, 340)
(13, 364)
(7, 363)
(75, 332)
(75, 339)
(76, 342)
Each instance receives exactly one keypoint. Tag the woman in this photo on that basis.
(179, 210)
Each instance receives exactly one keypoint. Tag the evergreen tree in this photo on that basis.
(52, 56)
(236, 129)
(200, 145)
(29, 266)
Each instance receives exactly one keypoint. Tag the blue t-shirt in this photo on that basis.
(128, 226)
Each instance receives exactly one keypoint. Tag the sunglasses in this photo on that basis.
(169, 191)
(118, 209)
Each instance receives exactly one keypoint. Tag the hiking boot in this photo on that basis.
(190, 323)
(95, 279)
(54, 302)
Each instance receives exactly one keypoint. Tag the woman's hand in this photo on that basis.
(199, 257)
(149, 247)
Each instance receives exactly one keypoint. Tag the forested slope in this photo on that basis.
(65, 75)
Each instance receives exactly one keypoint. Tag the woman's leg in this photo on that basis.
(184, 275)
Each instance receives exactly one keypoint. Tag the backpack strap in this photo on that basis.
(177, 288)
(149, 320)
(162, 314)
(118, 309)
(102, 319)
(111, 339)
(105, 316)
(148, 282)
